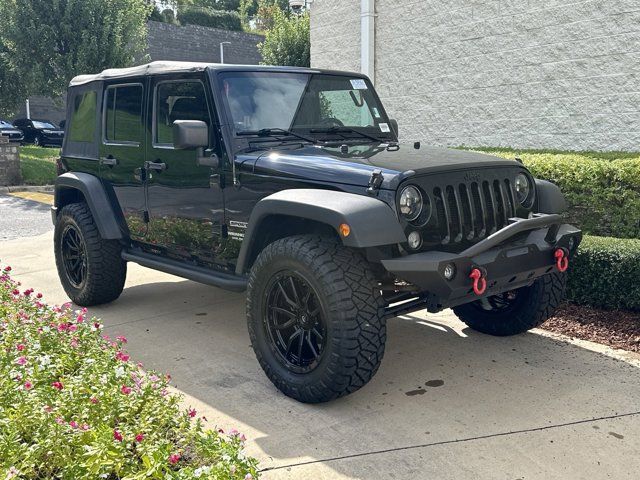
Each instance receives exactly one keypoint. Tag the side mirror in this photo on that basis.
(394, 126)
(190, 134)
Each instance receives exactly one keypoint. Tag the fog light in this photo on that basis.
(415, 240)
(449, 271)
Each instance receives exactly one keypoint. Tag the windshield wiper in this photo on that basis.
(343, 130)
(274, 132)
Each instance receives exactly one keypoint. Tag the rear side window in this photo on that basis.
(83, 117)
(178, 100)
(123, 114)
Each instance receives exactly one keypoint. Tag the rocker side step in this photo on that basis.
(190, 272)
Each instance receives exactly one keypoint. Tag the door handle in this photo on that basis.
(109, 161)
(157, 166)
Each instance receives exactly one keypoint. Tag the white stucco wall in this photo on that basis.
(518, 73)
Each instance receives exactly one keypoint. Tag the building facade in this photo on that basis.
(512, 73)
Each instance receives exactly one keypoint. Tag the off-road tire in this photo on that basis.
(350, 296)
(37, 141)
(105, 271)
(537, 304)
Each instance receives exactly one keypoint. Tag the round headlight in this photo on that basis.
(410, 202)
(522, 186)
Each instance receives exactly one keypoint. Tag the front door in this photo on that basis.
(185, 200)
(122, 151)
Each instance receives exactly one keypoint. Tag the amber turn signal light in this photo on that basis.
(344, 229)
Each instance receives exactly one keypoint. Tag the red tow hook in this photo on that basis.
(562, 259)
(479, 281)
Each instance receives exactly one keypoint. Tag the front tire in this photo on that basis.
(315, 318)
(90, 268)
(517, 311)
(37, 141)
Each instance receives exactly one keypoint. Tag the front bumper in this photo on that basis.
(512, 257)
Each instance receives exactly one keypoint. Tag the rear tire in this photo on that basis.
(338, 297)
(37, 141)
(515, 312)
(91, 269)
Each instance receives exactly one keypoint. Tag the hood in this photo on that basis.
(330, 165)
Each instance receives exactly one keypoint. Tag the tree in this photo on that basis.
(262, 9)
(287, 41)
(44, 43)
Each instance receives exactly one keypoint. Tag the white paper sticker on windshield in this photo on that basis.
(358, 84)
(384, 128)
(376, 113)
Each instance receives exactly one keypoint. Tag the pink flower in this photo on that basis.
(48, 409)
(20, 347)
(60, 420)
(117, 435)
(7, 268)
(73, 424)
(16, 291)
(221, 430)
(233, 432)
(84, 427)
(74, 342)
(248, 476)
(242, 437)
(73, 328)
(120, 355)
(39, 295)
(192, 412)
(80, 319)
(139, 437)
(121, 338)
(93, 400)
(21, 361)
(57, 385)
(174, 458)
(28, 385)
(125, 390)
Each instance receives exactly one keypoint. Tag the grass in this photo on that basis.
(38, 165)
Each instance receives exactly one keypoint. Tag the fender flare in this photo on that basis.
(93, 191)
(549, 198)
(373, 223)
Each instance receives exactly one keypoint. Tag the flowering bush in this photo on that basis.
(73, 406)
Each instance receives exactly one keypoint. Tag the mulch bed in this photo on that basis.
(615, 328)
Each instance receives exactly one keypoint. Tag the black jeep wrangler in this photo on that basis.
(290, 183)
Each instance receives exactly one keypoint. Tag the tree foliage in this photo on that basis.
(44, 43)
(287, 41)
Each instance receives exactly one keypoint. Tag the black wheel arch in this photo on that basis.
(300, 211)
(75, 187)
(549, 198)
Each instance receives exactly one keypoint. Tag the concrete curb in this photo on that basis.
(28, 188)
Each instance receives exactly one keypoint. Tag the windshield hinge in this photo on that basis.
(375, 181)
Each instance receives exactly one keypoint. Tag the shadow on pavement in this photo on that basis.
(439, 380)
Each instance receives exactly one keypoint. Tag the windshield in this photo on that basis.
(302, 102)
(5, 124)
(39, 124)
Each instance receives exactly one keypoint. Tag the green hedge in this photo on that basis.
(602, 189)
(605, 273)
(210, 18)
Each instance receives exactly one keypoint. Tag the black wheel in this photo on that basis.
(315, 318)
(90, 269)
(515, 311)
(37, 141)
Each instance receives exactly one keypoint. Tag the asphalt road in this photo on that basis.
(22, 218)
(447, 402)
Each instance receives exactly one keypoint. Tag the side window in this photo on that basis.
(82, 127)
(123, 114)
(184, 100)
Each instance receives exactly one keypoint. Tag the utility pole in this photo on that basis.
(222, 44)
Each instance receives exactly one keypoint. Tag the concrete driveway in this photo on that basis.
(447, 403)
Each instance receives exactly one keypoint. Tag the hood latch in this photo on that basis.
(375, 182)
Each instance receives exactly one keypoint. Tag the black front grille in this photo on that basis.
(471, 211)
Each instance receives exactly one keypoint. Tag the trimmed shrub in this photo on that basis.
(604, 273)
(207, 17)
(72, 405)
(602, 189)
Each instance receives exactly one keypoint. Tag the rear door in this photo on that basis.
(122, 150)
(185, 200)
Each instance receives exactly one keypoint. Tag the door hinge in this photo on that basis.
(375, 181)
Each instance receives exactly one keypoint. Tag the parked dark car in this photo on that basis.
(291, 184)
(8, 130)
(43, 133)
